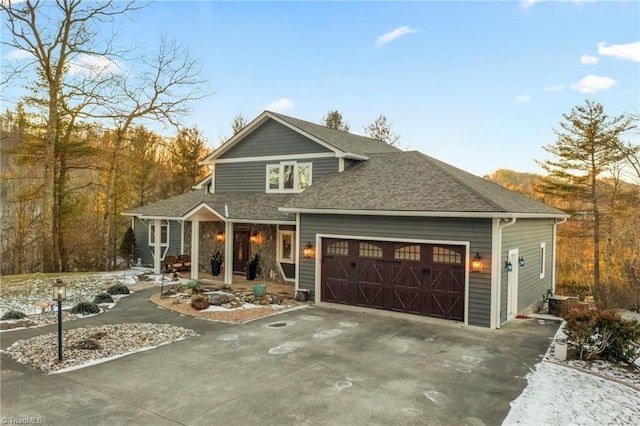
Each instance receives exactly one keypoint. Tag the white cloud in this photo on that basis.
(279, 105)
(593, 83)
(556, 88)
(17, 54)
(589, 60)
(392, 35)
(630, 51)
(92, 65)
(529, 3)
(523, 99)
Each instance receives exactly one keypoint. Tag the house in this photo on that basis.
(356, 221)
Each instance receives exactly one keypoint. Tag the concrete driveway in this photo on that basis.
(318, 365)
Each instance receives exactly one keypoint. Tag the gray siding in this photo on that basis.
(144, 251)
(477, 232)
(526, 235)
(272, 138)
(252, 176)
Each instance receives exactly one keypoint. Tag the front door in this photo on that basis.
(240, 251)
(512, 285)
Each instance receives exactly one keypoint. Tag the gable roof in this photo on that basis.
(409, 183)
(241, 207)
(343, 144)
(344, 141)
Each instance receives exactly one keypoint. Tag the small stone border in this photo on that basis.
(110, 341)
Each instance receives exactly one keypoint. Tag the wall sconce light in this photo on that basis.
(521, 262)
(220, 236)
(476, 263)
(254, 238)
(307, 251)
(508, 266)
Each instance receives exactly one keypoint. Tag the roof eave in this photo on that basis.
(421, 213)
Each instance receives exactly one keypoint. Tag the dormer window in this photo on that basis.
(288, 177)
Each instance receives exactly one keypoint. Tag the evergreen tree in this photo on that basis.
(587, 145)
(238, 123)
(128, 246)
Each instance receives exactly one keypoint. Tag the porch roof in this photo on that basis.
(233, 207)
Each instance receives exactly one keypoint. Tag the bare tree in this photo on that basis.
(53, 35)
(381, 129)
(170, 79)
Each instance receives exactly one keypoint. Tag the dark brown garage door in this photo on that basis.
(414, 278)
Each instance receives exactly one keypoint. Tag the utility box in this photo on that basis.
(558, 303)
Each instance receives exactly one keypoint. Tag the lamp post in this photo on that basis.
(59, 294)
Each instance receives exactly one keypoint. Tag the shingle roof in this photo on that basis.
(412, 182)
(344, 141)
(240, 206)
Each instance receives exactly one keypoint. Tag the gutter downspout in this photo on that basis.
(496, 270)
(555, 252)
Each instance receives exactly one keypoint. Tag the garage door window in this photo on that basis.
(369, 250)
(445, 255)
(339, 248)
(407, 253)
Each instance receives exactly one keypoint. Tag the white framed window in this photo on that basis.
(164, 235)
(286, 246)
(542, 257)
(288, 176)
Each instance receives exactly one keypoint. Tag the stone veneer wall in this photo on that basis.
(265, 248)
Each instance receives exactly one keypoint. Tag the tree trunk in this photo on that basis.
(47, 224)
(596, 241)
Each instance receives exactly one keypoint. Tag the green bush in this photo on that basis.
(118, 289)
(103, 298)
(14, 315)
(85, 308)
(626, 342)
(603, 334)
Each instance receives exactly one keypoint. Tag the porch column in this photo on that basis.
(228, 253)
(157, 249)
(195, 247)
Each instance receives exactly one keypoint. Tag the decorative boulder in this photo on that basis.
(220, 298)
(199, 302)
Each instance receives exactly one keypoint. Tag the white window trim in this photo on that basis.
(152, 241)
(279, 247)
(296, 178)
(542, 253)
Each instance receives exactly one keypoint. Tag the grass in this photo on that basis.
(26, 292)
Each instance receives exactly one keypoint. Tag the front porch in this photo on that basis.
(283, 290)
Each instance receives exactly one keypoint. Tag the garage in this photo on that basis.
(423, 279)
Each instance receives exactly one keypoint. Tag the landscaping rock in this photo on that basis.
(221, 298)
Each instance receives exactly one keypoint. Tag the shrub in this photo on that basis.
(603, 334)
(118, 289)
(199, 302)
(579, 328)
(14, 315)
(103, 298)
(85, 308)
(625, 345)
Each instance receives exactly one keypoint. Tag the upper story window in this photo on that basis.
(288, 177)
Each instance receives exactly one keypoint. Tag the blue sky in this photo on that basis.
(480, 85)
